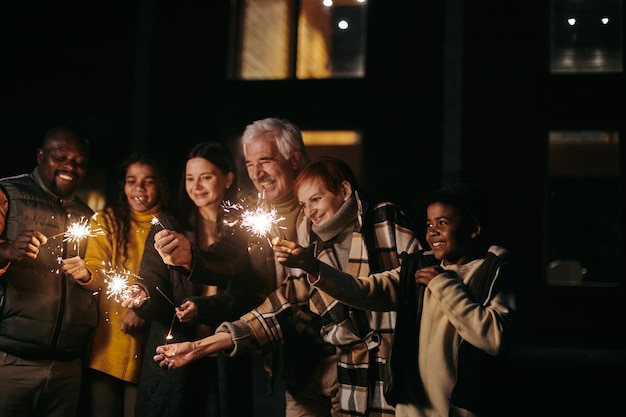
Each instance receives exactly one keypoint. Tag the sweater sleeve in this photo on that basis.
(484, 325)
(159, 282)
(377, 292)
(242, 336)
(100, 249)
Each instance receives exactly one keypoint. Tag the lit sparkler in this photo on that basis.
(78, 231)
(169, 333)
(118, 286)
(155, 220)
(259, 220)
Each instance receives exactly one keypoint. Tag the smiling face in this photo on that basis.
(205, 183)
(271, 174)
(319, 204)
(141, 182)
(450, 235)
(62, 164)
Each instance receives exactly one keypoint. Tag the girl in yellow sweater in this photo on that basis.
(116, 353)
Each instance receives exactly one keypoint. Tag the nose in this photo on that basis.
(255, 171)
(433, 230)
(70, 164)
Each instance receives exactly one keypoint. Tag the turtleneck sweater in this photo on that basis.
(338, 231)
(290, 210)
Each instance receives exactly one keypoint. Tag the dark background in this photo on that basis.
(448, 83)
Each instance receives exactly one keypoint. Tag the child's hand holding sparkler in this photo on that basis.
(134, 297)
(132, 323)
(76, 269)
(174, 248)
(26, 244)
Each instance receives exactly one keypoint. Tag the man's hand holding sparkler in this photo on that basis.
(26, 244)
(174, 248)
(76, 269)
(295, 256)
(177, 355)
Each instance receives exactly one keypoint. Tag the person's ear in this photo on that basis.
(39, 155)
(295, 160)
(230, 177)
(476, 231)
(346, 189)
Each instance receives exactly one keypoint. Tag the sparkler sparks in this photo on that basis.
(78, 231)
(259, 220)
(118, 286)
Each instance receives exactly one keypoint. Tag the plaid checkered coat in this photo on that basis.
(362, 339)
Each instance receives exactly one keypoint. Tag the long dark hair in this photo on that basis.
(118, 203)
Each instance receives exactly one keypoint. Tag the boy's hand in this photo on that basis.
(426, 274)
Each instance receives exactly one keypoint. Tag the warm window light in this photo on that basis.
(331, 137)
(94, 199)
(571, 21)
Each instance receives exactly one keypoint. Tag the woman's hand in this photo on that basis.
(186, 312)
(174, 248)
(177, 355)
(174, 355)
(295, 256)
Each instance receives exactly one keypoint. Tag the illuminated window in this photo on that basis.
(586, 36)
(303, 39)
(583, 209)
(342, 144)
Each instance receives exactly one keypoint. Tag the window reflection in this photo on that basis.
(586, 36)
(583, 208)
(304, 39)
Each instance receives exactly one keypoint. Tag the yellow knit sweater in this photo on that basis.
(114, 352)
